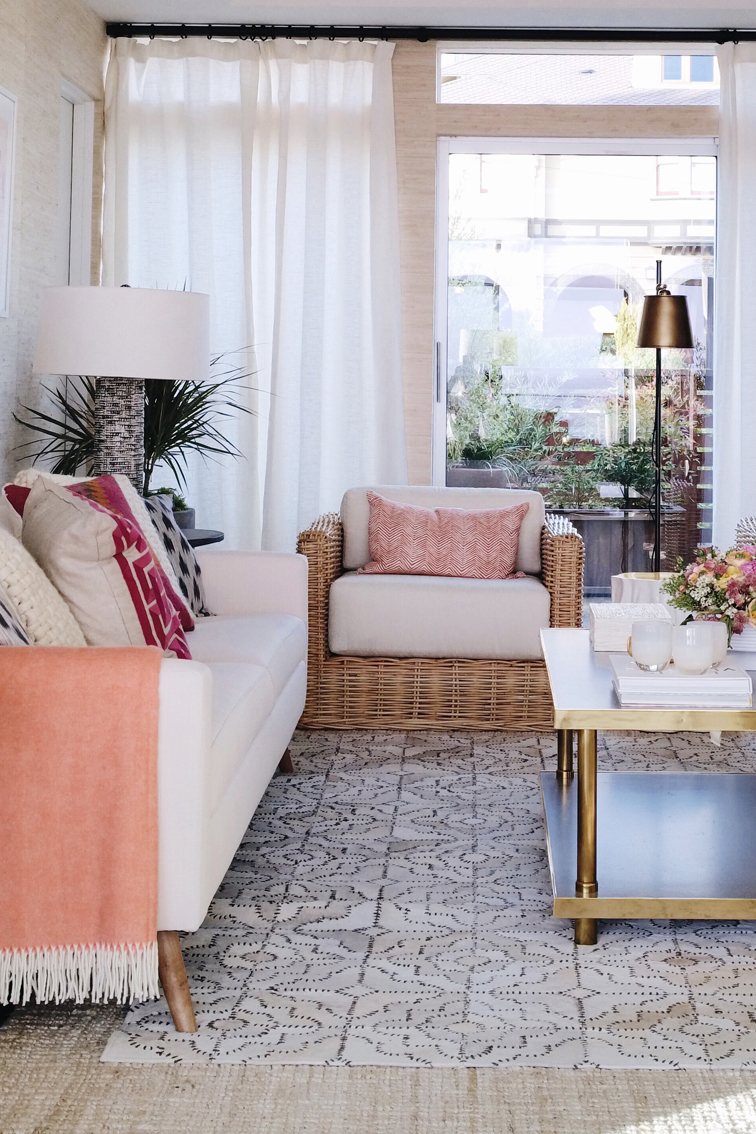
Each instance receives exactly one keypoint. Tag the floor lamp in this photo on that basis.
(664, 323)
(121, 336)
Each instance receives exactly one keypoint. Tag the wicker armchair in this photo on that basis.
(423, 693)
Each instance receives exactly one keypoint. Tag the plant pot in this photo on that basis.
(583, 456)
(616, 540)
(477, 474)
(185, 518)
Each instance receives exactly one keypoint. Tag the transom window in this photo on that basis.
(596, 79)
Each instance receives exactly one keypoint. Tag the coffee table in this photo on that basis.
(640, 844)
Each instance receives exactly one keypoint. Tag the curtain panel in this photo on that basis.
(734, 443)
(265, 175)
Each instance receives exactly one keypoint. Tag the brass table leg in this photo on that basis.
(564, 755)
(586, 929)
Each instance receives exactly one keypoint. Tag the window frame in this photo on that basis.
(446, 146)
(577, 47)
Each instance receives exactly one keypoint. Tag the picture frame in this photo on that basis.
(8, 106)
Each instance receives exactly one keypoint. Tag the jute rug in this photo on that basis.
(391, 905)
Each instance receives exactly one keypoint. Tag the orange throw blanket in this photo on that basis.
(78, 823)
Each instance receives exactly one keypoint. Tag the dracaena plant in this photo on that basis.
(179, 418)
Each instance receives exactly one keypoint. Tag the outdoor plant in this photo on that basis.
(179, 418)
(629, 464)
(486, 425)
(575, 486)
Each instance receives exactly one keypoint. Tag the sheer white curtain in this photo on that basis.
(735, 299)
(265, 174)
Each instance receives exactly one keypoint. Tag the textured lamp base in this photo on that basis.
(119, 428)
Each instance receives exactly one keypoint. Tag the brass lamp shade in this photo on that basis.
(665, 322)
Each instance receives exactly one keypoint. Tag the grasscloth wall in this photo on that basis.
(41, 43)
(419, 122)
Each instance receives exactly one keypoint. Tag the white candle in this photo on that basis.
(693, 648)
(651, 644)
(717, 631)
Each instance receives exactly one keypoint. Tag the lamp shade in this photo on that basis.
(665, 322)
(124, 332)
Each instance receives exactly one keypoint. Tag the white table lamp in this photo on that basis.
(121, 336)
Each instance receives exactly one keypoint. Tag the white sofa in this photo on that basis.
(226, 718)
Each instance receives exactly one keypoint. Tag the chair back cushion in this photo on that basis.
(355, 516)
(407, 540)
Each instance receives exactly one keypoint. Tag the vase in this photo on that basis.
(745, 641)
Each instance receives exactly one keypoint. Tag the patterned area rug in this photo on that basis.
(390, 904)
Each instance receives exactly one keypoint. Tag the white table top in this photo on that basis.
(581, 689)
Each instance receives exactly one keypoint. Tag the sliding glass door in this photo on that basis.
(545, 252)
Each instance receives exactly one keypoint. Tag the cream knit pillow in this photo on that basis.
(46, 617)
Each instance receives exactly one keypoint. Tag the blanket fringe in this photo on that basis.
(96, 972)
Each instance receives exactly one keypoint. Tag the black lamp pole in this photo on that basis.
(664, 323)
(657, 447)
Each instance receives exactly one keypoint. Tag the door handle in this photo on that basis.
(438, 372)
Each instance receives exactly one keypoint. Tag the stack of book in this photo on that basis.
(726, 686)
(611, 622)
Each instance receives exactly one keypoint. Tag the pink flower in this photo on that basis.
(749, 570)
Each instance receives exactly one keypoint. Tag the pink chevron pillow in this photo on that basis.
(407, 540)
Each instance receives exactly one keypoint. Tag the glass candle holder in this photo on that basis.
(693, 647)
(717, 631)
(651, 645)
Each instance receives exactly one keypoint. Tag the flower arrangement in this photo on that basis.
(717, 586)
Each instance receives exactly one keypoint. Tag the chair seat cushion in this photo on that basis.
(242, 700)
(437, 617)
(277, 642)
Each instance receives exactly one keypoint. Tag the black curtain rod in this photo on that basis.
(424, 34)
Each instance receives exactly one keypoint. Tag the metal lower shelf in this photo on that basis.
(669, 845)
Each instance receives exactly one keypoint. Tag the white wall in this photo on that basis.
(42, 42)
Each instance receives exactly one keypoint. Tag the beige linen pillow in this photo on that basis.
(27, 477)
(10, 521)
(46, 617)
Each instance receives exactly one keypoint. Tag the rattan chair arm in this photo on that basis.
(322, 544)
(562, 560)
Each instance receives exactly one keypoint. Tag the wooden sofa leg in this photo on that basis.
(286, 764)
(174, 982)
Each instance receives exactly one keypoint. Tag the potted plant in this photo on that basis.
(182, 513)
(179, 418)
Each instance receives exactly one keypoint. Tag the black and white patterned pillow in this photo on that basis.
(12, 630)
(181, 554)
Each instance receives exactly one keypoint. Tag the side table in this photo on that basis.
(199, 537)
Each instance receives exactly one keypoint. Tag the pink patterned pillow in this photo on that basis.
(105, 492)
(100, 562)
(407, 540)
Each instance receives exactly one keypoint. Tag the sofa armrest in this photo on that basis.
(562, 559)
(184, 889)
(321, 543)
(254, 582)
